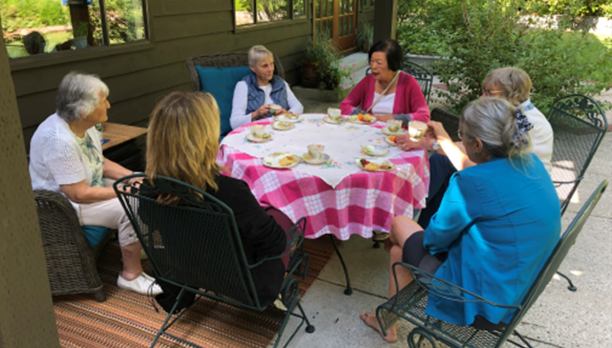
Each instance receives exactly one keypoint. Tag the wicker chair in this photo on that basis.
(223, 60)
(71, 263)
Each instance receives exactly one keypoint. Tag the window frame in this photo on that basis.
(68, 56)
(291, 20)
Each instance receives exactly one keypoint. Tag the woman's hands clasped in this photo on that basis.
(261, 112)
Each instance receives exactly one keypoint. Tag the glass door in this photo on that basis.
(335, 20)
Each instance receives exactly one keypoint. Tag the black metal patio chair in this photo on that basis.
(197, 247)
(410, 302)
(449, 120)
(579, 125)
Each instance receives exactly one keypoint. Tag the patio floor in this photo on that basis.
(559, 318)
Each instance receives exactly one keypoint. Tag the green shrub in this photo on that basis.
(491, 37)
(18, 14)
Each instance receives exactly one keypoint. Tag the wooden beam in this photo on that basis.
(385, 19)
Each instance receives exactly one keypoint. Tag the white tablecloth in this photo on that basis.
(343, 144)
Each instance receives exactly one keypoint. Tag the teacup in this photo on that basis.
(258, 130)
(316, 151)
(274, 108)
(394, 125)
(334, 114)
(416, 129)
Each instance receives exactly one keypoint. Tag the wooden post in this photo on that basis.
(26, 308)
(385, 19)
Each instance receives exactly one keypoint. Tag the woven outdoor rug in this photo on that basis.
(127, 319)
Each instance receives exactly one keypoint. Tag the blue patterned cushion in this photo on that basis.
(221, 82)
(95, 234)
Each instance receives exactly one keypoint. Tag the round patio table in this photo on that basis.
(337, 197)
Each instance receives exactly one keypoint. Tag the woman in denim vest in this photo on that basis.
(257, 91)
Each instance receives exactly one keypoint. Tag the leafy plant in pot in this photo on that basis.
(321, 67)
(365, 37)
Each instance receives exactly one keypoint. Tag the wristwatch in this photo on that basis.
(435, 146)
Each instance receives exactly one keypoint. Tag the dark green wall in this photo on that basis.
(139, 75)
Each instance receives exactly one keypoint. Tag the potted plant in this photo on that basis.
(318, 57)
(365, 37)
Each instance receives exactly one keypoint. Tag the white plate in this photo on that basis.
(253, 139)
(306, 157)
(330, 121)
(378, 162)
(299, 118)
(375, 150)
(273, 160)
(389, 141)
(277, 125)
(386, 131)
(354, 119)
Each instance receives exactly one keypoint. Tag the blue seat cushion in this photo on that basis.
(221, 82)
(95, 234)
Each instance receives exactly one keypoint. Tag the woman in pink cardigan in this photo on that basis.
(394, 93)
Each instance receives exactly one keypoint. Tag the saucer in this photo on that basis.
(276, 125)
(330, 121)
(375, 150)
(390, 142)
(306, 157)
(273, 161)
(386, 131)
(251, 138)
(299, 118)
(355, 119)
(378, 162)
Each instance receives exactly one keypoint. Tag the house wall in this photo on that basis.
(140, 77)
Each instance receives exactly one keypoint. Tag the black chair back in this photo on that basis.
(423, 76)
(558, 255)
(194, 243)
(579, 126)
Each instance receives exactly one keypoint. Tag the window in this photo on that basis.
(33, 27)
(263, 11)
(366, 4)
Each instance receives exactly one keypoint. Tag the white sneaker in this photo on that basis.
(140, 284)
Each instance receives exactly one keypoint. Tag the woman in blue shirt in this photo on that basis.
(497, 225)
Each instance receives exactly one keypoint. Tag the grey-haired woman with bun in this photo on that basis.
(496, 226)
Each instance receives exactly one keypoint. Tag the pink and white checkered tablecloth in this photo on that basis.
(362, 202)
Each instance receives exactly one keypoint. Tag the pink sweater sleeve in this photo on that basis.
(357, 97)
(415, 101)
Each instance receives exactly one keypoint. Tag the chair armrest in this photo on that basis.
(297, 240)
(443, 289)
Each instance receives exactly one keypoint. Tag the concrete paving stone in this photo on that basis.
(336, 319)
(368, 268)
(590, 182)
(602, 163)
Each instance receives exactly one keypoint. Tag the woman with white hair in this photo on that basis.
(66, 157)
(257, 91)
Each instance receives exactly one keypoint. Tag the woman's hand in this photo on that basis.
(384, 118)
(281, 112)
(261, 112)
(437, 131)
(404, 142)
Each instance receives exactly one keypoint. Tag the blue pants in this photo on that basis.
(441, 170)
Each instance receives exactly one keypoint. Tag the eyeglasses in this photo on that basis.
(489, 92)
(460, 134)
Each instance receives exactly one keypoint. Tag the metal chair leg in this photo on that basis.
(348, 290)
(571, 286)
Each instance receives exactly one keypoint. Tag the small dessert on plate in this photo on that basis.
(289, 117)
(391, 140)
(374, 165)
(362, 119)
(281, 160)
